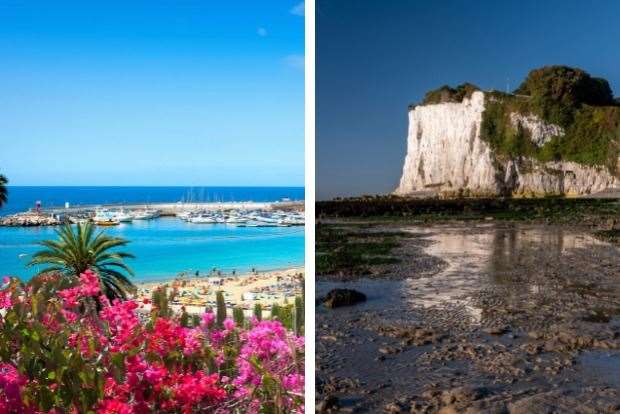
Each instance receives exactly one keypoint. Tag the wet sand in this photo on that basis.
(477, 318)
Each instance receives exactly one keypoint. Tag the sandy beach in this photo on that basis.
(245, 290)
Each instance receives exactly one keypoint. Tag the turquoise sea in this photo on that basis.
(165, 246)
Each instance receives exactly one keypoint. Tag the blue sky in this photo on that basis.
(153, 92)
(376, 57)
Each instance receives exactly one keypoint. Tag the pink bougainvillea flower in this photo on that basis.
(5, 299)
(146, 363)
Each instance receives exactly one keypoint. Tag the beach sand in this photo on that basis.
(245, 290)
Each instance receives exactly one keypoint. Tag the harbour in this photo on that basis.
(46, 206)
(178, 237)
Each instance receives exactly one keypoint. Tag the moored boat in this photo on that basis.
(145, 214)
(105, 217)
(123, 216)
(202, 219)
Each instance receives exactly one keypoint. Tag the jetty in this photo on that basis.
(30, 219)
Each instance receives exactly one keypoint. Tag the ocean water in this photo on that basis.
(23, 198)
(165, 246)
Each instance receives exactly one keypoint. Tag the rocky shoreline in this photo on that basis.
(513, 319)
(29, 219)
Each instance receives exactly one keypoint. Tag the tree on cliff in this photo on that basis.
(3, 190)
(561, 90)
(75, 251)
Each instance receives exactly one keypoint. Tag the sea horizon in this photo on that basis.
(23, 197)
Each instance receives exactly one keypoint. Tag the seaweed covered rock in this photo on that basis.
(336, 298)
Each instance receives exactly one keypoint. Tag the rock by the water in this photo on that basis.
(343, 297)
(29, 219)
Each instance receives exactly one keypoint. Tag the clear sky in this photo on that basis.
(158, 92)
(376, 57)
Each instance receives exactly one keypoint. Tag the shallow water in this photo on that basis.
(476, 258)
(491, 257)
(166, 246)
(521, 278)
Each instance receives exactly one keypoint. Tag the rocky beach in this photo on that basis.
(475, 317)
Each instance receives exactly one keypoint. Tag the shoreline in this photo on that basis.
(195, 294)
(226, 272)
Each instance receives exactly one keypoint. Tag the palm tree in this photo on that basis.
(78, 250)
(3, 191)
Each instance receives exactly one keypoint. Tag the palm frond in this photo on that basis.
(3, 189)
(79, 249)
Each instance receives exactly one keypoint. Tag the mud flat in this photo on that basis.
(478, 317)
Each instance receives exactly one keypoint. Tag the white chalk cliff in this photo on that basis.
(446, 155)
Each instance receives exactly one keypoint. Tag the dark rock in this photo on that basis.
(496, 329)
(343, 297)
(329, 404)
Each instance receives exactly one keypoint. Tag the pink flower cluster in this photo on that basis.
(88, 287)
(148, 363)
(275, 348)
(11, 382)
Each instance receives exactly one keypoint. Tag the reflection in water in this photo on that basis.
(507, 258)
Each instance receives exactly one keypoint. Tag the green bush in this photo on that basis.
(566, 86)
(568, 97)
(448, 94)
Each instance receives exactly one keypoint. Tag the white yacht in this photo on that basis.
(123, 216)
(145, 214)
(185, 215)
(236, 220)
(202, 219)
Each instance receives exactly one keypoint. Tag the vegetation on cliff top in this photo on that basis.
(582, 105)
(448, 94)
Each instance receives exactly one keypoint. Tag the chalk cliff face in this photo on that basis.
(446, 155)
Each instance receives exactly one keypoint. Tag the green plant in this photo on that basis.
(160, 303)
(220, 308)
(448, 94)
(591, 133)
(77, 250)
(238, 316)
(298, 316)
(276, 312)
(184, 319)
(258, 311)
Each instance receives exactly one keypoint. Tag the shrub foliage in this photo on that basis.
(582, 105)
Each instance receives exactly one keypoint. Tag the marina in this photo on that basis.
(241, 214)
